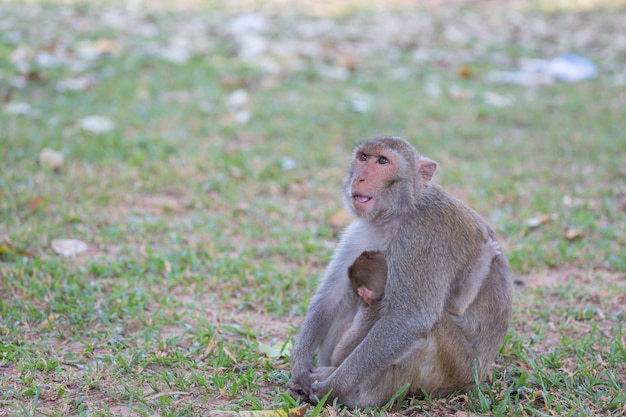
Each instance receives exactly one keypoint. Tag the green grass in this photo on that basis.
(207, 236)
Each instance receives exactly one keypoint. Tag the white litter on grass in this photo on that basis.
(17, 107)
(96, 124)
(68, 247)
(570, 68)
(287, 164)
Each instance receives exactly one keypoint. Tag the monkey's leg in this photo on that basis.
(438, 364)
(336, 332)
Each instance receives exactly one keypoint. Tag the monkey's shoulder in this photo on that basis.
(441, 210)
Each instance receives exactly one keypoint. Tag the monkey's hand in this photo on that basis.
(494, 246)
(296, 391)
(321, 383)
(299, 386)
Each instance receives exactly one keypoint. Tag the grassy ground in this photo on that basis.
(208, 194)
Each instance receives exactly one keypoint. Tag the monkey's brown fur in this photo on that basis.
(368, 276)
(437, 320)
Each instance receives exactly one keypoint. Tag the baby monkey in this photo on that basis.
(368, 276)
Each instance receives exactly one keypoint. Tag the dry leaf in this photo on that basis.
(348, 60)
(209, 346)
(76, 84)
(276, 350)
(167, 393)
(459, 93)
(35, 203)
(293, 412)
(573, 234)
(106, 46)
(498, 100)
(466, 72)
(68, 247)
(7, 249)
(51, 159)
(537, 221)
(341, 218)
(48, 321)
(230, 355)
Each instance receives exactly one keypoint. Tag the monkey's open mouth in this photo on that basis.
(360, 198)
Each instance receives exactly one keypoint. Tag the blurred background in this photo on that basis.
(171, 176)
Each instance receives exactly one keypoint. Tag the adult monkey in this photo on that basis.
(431, 242)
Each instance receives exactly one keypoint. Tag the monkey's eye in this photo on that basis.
(383, 160)
(362, 157)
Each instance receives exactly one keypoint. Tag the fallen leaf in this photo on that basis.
(341, 218)
(276, 350)
(51, 159)
(68, 247)
(459, 93)
(293, 412)
(106, 46)
(537, 221)
(35, 203)
(76, 84)
(573, 234)
(498, 100)
(167, 393)
(49, 320)
(7, 249)
(466, 72)
(209, 346)
(348, 60)
(230, 355)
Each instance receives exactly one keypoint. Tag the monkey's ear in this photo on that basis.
(426, 168)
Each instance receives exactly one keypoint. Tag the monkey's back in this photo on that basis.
(445, 236)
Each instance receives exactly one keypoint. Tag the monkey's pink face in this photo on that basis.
(372, 171)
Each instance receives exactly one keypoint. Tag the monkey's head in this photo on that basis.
(386, 178)
(369, 272)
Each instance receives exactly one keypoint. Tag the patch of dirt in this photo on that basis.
(575, 276)
(562, 305)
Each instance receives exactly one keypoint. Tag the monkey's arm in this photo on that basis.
(318, 336)
(330, 311)
(365, 317)
(468, 288)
